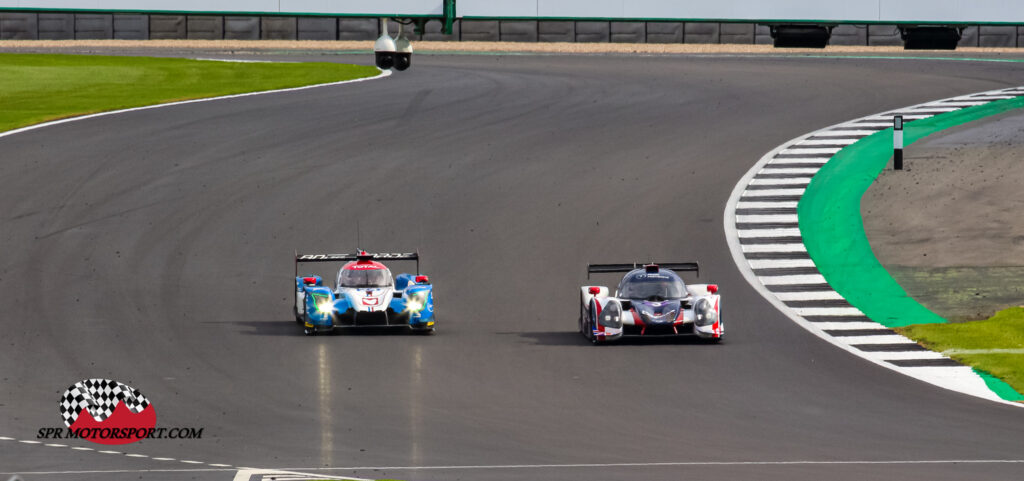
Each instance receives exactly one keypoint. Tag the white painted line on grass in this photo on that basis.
(983, 351)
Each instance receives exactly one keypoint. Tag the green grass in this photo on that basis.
(36, 88)
(1004, 330)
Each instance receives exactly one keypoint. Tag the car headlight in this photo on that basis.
(416, 302)
(611, 315)
(704, 313)
(325, 307)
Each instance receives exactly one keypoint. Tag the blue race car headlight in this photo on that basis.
(416, 301)
(325, 307)
(704, 313)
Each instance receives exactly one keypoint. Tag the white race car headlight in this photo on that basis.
(704, 313)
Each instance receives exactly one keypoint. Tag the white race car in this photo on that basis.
(651, 300)
(364, 295)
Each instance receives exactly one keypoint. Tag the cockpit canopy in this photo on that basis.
(662, 285)
(364, 277)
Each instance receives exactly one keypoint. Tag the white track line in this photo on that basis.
(808, 462)
(756, 233)
(787, 204)
(779, 263)
(810, 150)
(671, 463)
(382, 74)
(789, 181)
(752, 248)
(827, 142)
(790, 280)
(810, 296)
(771, 192)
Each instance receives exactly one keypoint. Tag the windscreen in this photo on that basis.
(364, 278)
(654, 286)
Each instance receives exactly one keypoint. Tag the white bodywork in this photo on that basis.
(685, 319)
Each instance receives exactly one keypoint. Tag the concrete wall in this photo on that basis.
(44, 26)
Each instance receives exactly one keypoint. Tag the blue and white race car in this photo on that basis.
(651, 300)
(364, 295)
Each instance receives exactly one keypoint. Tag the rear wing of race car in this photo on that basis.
(675, 266)
(379, 256)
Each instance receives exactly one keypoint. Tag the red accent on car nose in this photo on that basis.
(712, 288)
(594, 290)
(422, 279)
(309, 280)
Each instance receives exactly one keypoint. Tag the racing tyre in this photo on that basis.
(309, 331)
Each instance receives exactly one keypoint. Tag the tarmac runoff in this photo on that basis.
(792, 239)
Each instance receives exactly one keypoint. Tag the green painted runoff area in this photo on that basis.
(994, 347)
(37, 88)
(833, 231)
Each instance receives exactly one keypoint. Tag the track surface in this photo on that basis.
(155, 248)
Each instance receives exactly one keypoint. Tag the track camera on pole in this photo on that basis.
(395, 52)
(384, 48)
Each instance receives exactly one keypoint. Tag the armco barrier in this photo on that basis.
(60, 26)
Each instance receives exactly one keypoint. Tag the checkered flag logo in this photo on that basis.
(99, 397)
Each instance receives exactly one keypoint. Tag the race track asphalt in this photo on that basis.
(155, 248)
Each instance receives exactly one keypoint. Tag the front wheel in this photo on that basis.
(309, 331)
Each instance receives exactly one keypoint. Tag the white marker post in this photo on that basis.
(897, 142)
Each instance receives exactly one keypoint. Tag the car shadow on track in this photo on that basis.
(270, 328)
(292, 329)
(573, 338)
